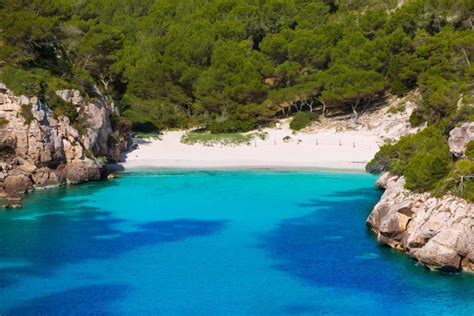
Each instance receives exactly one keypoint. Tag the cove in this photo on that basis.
(213, 242)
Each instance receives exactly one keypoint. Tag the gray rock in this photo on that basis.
(438, 232)
(82, 171)
(49, 151)
(459, 137)
(71, 96)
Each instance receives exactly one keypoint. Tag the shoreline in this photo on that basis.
(321, 149)
(151, 168)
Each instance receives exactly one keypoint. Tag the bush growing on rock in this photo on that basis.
(426, 168)
(26, 113)
(424, 159)
(470, 150)
(3, 121)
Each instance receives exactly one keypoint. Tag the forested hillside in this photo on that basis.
(231, 65)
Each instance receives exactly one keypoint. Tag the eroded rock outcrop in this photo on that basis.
(39, 150)
(459, 137)
(438, 232)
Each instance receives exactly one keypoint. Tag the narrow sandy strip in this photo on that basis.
(325, 149)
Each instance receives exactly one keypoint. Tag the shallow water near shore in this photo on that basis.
(213, 242)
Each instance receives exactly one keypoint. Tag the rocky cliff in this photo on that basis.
(38, 150)
(438, 232)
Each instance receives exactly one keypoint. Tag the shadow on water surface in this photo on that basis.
(90, 300)
(331, 247)
(67, 231)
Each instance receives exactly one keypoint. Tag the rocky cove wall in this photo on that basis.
(39, 150)
(438, 232)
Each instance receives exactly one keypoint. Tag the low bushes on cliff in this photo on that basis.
(470, 150)
(26, 113)
(459, 180)
(427, 164)
(3, 121)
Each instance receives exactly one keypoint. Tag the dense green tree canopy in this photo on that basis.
(208, 62)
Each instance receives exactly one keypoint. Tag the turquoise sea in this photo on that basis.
(213, 243)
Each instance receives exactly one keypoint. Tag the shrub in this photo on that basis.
(457, 182)
(26, 113)
(29, 83)
(397, 109)
(226, 139)
(89, 154)
(3, 121)
(302, 120)
(61, 107)
(416, 118)
(470, 150)
(144, 127)
(423, 158)
(426, 168)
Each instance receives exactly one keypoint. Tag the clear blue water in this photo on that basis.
(213, 243)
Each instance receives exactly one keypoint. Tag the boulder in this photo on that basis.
(71, 96)
(437, 256)
(46, 177)
(82, 171)
(17, 184)
(459, 137)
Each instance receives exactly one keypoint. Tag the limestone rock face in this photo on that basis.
(71, 96)
(82, 171)
(96, 118)
(459, 137)
(47, 150)
(439, 233)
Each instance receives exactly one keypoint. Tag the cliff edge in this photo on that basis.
(38, 149)
(438, 232)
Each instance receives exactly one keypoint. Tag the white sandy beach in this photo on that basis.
(331, 144)
(324, 149)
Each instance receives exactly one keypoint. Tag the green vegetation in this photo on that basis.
(302, 120)
(225, 139)
(3, 121)
(231, 65)
(459, 181)
(425, 161)
(397, 109)
(26, 113)
(470, 150)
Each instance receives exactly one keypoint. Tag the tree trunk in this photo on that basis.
(323, 113)
(354, 110)
(466, 57)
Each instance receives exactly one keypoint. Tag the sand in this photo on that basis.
(319, 149)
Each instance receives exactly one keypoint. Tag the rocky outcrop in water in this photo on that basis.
(38, 150)
(438, 232)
